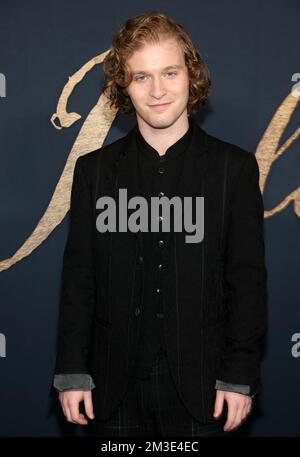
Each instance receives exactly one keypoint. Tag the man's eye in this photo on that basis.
(140, 78)
(143, 77)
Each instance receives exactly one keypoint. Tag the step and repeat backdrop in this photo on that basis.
(52, 111)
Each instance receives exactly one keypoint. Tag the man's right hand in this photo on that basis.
(70, 399)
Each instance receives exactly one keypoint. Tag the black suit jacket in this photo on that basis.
(215, 290)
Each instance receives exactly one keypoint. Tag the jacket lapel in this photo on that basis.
(191, 176)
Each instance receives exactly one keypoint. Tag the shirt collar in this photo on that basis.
(173, 151)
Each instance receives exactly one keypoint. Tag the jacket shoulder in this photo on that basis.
(108, 153)
(101, 161)
(239, 160)
(90, 164)
(236, 153)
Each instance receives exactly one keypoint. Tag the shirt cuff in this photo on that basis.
(238, 388)
(70, 381)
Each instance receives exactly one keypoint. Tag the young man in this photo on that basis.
(159, 336)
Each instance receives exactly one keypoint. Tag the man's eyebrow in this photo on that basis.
(177, 67)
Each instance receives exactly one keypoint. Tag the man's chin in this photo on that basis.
(158, 122)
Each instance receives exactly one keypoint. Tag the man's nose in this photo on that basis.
(157, 88)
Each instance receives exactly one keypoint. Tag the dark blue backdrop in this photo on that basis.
(252, 50)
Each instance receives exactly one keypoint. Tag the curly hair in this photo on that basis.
(151, 28)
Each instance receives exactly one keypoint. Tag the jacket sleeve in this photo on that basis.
(78, 281)
(245, 279)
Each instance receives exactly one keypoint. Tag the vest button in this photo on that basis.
(141, 259)
(137, 311)
(161, 170)
(159, 315)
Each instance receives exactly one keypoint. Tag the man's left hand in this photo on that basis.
(238, 405)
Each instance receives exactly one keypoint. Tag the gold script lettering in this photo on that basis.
(92, 135)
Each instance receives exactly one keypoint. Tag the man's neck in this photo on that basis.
(162, 139)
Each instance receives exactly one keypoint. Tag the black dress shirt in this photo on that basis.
(158, 177)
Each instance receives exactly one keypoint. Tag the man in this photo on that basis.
(159, 336)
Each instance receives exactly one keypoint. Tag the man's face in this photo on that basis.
(159, 89)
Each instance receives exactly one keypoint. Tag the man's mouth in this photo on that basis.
(160, 105)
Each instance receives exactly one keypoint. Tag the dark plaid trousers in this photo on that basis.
(152, 407)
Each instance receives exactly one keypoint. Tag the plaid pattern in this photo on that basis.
(152, 407)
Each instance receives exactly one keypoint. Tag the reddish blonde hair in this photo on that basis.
(151, 28)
